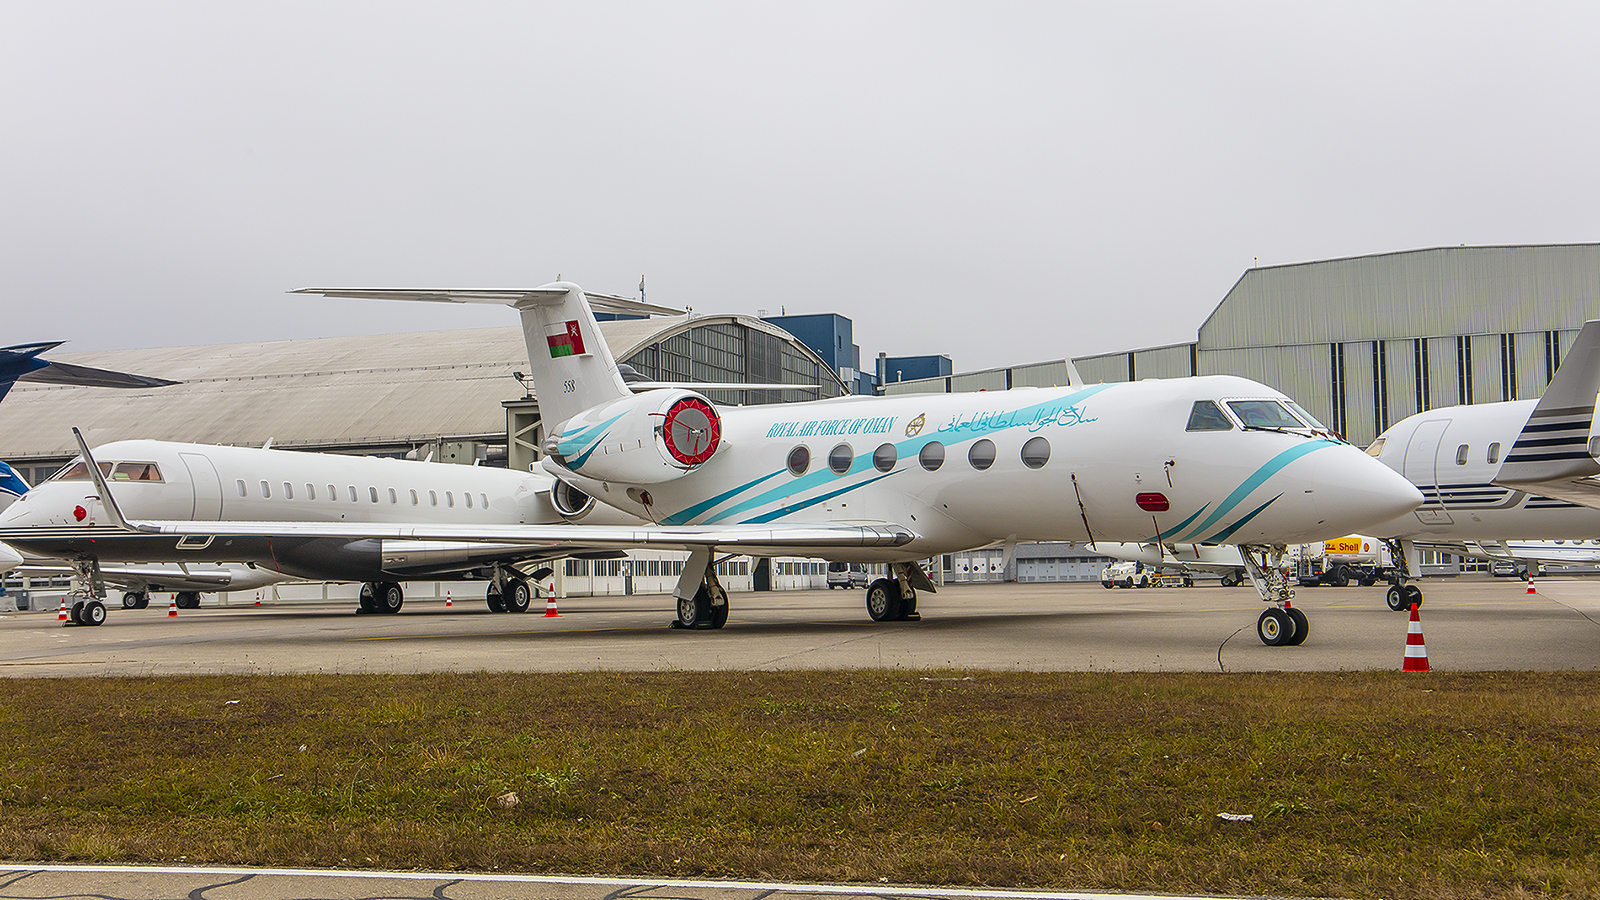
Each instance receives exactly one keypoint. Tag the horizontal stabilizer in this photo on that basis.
(516, 298)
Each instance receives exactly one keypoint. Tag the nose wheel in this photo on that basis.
(1282, 625)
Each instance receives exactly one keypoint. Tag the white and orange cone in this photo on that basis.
(172, 607)
(447, 602)
(1530, 589)
(1416, 650)
(550, 611)
(62, 616)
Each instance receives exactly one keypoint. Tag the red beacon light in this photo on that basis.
(1153, 501)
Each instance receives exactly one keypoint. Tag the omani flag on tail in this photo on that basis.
(564, 340)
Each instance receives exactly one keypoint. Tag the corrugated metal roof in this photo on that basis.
(321, 392)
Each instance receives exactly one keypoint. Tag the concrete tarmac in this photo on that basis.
(1470, 623)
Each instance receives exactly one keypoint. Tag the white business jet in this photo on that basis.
(893, 480)
(282, 492)
(1494, 473)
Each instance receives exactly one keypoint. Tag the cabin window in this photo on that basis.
(354, 497)
(393, 497)
(840, 458)
(1494, 453)
(243, 491)
(799, 460)
(311, 491)
(1035, 453)
(884, 458)
(468, 495)
(1376, 448)
(450, 499)
(333, 493)
(266, 491)
(932, 456)
(372, 493)
(136, 471)
(981, 455)
(433, 498)
(1206, 415)
(485, 499)
(288, 491)
(414, 497)
(1461, 455)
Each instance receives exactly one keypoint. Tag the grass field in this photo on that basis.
(1361, 785)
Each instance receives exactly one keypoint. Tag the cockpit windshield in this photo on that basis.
(1307, 417)
(1264, 414)
(78, 471)
(1206, 415)
(136, 471)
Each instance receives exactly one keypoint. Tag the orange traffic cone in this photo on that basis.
(62, 616)
(172, 607)
(1416, 650)
(550, 611)
(447, 602)
(258, 598)
(1530, 589)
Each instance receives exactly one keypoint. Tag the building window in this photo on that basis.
(1035, 453)
(981, 455)
(932, 456)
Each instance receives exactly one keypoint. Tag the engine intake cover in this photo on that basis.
(647, 438)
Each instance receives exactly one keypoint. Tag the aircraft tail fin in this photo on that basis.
(571, 365)
(1559, 439)
(11, 485)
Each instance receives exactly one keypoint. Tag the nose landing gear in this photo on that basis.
(1282, 625)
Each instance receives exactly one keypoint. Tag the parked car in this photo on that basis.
(847, 575)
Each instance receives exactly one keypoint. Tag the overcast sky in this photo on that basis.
(999, 182)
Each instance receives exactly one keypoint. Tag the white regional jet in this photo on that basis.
(1497, 472)
(284, 493)
(894, 480)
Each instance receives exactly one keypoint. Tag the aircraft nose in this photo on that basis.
(1355, 491)
(9, 558)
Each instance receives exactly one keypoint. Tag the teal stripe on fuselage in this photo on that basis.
(1178, 527)
(776, 514)
(1226, 533)
(682, 517)
(569, 444)
(1267, 470)
(1018, 418)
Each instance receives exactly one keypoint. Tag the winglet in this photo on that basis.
(1556, 443)
(100, 484)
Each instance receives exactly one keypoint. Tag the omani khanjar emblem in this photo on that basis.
(914, 427)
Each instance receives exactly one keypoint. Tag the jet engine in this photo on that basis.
(648, 438)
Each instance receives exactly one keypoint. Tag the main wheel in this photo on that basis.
(144, 601)
(497, 603)
(517, 596)
(694, 612)
(1413, 595)
(883, 600)
(368, 597)
(1275, 628)
(908, 606)
(76, 614)
(1341, 577)
(1108, 585)
(390, 597)
(130, 600)
(1230, 579)
(1302, 627)
(719, 615)
(188, 599)
(94, 613)
(1396, 598)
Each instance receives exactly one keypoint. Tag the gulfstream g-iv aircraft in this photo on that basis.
(1494, 472)
(282, 494)
(896, 479)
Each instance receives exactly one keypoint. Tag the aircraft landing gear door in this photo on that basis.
(1422, 470)
(207, 487)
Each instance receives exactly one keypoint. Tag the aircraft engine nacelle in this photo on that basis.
(648, 438)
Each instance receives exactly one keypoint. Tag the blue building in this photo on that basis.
(831, 336)
(910, 368)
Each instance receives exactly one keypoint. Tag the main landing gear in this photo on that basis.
(136, 600)
(85, 606)
(510, 592)
(702, 600)
(1400, 595)
(382, 597)
(894, 599)
(1282, 625)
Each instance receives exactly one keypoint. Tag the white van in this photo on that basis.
(847, 575)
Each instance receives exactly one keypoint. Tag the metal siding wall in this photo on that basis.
(1450, 290)
(921, 386)
(1360, 424)
(1530, 365)
(1402, 360)
(1162, 362)
(1101, 369)
(1442, 387)
(978, 381)
(1486, 368)
(1053, 374)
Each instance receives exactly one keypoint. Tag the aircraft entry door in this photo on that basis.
(207, 486)
(1422, 469)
